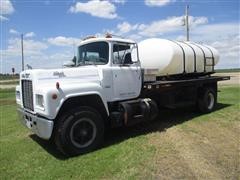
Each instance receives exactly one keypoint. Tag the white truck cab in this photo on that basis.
(106, 70)
(103, 87)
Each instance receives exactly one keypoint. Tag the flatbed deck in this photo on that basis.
(183, 82)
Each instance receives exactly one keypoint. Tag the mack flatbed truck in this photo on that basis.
(106, 86)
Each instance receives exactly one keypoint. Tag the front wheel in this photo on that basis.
(207, 100)
(79, 131)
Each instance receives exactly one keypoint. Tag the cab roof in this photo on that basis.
(112, 39)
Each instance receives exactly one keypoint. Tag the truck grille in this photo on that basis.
(27, 94)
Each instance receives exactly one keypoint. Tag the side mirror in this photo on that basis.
(71, 63)
(134, 55)
(128, 59)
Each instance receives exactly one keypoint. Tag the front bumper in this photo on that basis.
(39, 125)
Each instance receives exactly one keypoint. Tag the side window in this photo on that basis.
(120, 53)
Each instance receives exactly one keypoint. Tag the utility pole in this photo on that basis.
(186, 23)
(22, 52)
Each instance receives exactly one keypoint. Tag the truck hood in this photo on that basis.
(65, 76)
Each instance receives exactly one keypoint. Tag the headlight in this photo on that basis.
(18, 95)
(39, 101)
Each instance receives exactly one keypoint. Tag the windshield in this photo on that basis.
(93, 53)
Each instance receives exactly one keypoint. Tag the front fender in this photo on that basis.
(67, 92)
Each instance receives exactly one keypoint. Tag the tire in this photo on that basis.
(207, 100)
(79, 131)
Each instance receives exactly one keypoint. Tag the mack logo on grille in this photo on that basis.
(25, 75)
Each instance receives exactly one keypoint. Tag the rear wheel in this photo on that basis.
(79, 131)
(207, 100)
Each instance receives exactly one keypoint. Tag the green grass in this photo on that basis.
(179, 145)
(7, 94)
(227, 70)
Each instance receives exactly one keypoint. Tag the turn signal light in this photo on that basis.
(54, 96)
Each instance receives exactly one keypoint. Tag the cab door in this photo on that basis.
(126, 72)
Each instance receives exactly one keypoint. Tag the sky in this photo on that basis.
(52, 29)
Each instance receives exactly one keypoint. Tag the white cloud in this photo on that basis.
(197, 21)
(13, 31)
(126, 27)
(50, 60)
(6, 8)
(64, 41)
(156, 28)
(135, 37)
(161, 26)
(26, 35)
(225, 38)
(217, 31)
(31, 47)
(36, 54)
(45, 60)
(119, 1)
(171, 24)
(152, 3)
(2, 18)
(229, 47)
(97, 8)
(30, 34)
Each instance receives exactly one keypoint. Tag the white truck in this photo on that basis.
(106, 86)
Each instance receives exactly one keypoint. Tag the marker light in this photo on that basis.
(108, 35)
(57, 85)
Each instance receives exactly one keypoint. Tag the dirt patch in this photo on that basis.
(235, 78)
(166, 163)
(7, 102)
(197, 150)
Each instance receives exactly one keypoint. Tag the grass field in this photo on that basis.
(180, 144)
(227, 70)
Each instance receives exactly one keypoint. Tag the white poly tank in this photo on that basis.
(161, 57)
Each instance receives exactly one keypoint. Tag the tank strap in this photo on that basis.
(194, 53)
(184, 55)
(204, 56)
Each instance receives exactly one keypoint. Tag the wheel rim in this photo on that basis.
(83, 132)
(210, 100)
